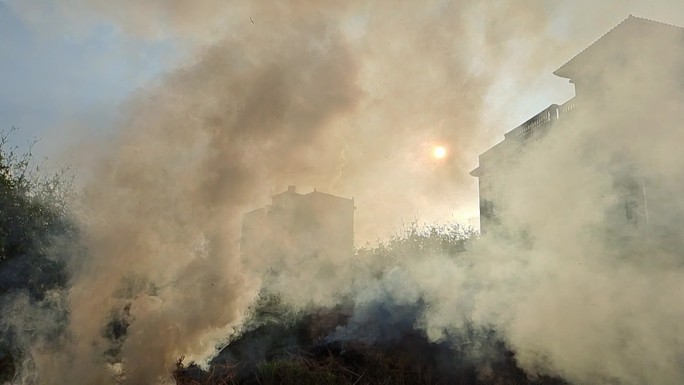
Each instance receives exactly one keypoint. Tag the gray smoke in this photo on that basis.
(351, 98)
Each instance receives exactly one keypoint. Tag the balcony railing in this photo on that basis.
(547, 116)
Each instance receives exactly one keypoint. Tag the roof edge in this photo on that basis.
(560, 71)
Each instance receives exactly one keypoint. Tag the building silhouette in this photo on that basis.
(633, 72)
(294, 225)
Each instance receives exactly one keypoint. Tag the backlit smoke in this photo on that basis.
(346, 98)
(167, 201)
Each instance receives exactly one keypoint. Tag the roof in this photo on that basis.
(290, 194)
(327, 196)
(634, 32)
(634, 35)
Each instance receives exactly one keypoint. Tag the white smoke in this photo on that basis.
(278, 96)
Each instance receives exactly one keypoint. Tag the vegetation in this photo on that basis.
(33, 221)
(415, 240)
(277, 346)
(282, 347)
(412, 360)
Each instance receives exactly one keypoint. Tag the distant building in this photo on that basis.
(299, 225)
(604, 75)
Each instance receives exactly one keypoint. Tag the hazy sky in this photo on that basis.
(67, 67)
(52, 76)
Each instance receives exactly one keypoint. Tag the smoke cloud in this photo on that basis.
(350, 98)
(196, 151)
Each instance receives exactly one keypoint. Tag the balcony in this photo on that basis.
(546, 117)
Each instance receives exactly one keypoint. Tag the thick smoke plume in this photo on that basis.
(167, 201)
(349, 98)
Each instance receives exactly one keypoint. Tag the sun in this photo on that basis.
(439, 152)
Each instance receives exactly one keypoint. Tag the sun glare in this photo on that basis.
(439, 152)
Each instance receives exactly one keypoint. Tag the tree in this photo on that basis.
(34, 225)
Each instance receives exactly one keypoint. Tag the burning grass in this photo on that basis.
(290, 352)
(352, 363)
(332, 346)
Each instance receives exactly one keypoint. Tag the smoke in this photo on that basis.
(582, 278)
(425, 75)
(167, 200)
(605, 308)
(264, 106)
(351, 98)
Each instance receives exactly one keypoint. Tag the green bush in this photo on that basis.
(34, 229)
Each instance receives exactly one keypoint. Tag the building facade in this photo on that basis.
(628, 84)
(300, 226)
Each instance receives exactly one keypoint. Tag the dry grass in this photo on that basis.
(355, 364)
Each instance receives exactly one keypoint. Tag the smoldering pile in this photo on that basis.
(315, 348)
(410, 359)
(365, 338)
(309, 349)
